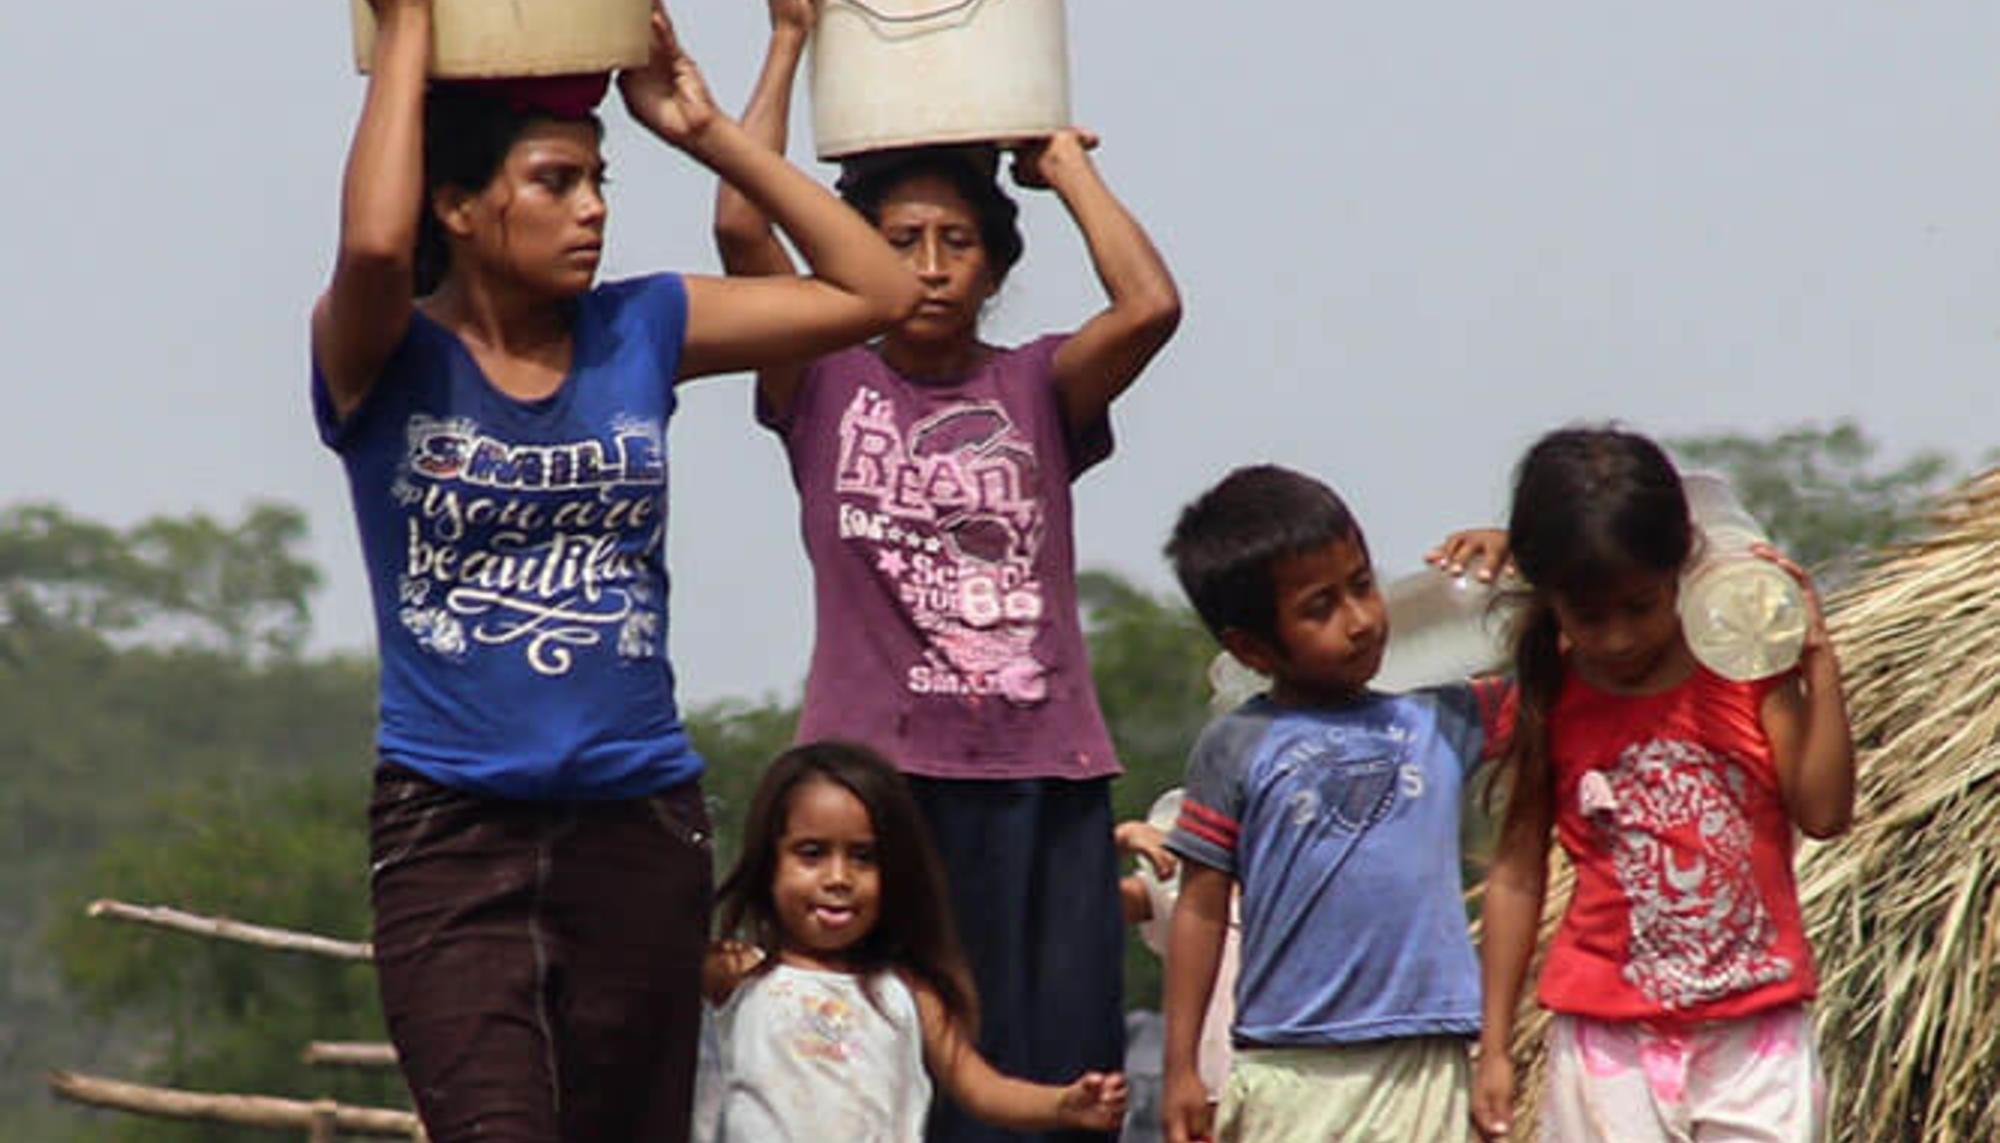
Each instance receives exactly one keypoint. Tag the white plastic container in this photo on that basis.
(1743, 616)
(1442, 629)
(1162, 894)
(489, 39)
(904, 73)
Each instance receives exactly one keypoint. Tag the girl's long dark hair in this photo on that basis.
(1591, 504)
(913, 930)
(467, 134)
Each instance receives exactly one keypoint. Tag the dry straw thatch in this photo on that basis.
(1902, 911)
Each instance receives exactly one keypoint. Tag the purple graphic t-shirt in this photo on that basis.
(937, 519)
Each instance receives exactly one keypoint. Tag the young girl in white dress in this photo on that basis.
(842, 992)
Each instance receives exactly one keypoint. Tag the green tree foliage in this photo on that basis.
(184, 581)
(1822, 492)
(152, 692)
(222, 1017)
(1149, 656)
(737, 740)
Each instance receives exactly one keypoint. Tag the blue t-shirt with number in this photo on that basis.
(515, 555)
(1340, 826)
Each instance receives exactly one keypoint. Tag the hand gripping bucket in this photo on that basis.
(489, 39)
(903, 73)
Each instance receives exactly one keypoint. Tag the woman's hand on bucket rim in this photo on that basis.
(668, 95)
(794, 15)
(1038, 162)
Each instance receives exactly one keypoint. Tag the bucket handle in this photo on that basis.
(949, 9)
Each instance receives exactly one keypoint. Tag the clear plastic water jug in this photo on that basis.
(1442, 629)
(1744, 617)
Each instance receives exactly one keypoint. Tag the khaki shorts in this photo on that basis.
(1393, 1091)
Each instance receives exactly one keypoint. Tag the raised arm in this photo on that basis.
(366, 308)
(743, 234)
(1806, 720)
(1107, 354)
(858, 286)
(1094, 1101)
(1510, 923)
(1194, 950)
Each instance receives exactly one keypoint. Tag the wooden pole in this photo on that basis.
(242, 1110)
(222, 928)
(351, 1055)
(325, 1122)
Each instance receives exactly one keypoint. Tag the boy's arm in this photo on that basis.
(1194, 949)
(1807, 725)
(1510, 923)
(1094, 1101)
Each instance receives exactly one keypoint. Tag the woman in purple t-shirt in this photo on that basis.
(934, 477)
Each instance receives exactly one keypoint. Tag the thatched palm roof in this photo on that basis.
(1903, 911)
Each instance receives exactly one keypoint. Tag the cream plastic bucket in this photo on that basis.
(485, 39)
(901, 73)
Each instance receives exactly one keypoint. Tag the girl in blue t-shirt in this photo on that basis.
(541, 874)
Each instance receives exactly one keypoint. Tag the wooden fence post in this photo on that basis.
(324, 1123)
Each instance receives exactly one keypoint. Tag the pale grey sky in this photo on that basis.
(1410, 237)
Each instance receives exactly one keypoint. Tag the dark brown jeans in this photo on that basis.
(540, 962)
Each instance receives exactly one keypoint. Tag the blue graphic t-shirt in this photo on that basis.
(515, 553)
(1341, 827)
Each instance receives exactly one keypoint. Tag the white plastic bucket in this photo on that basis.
(485, 39)
(902, 73)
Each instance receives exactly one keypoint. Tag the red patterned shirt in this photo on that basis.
(1669, 806)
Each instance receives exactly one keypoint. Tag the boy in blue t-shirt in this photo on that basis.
(1336, 810)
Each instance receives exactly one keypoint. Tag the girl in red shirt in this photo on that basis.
(1680, 973)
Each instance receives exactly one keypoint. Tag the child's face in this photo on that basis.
(827, 889)
(1626, 635)
(1331, 625)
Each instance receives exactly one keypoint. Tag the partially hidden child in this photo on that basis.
(844, 995)
(1149, 897)
(1335, 808)
(1680, 974)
